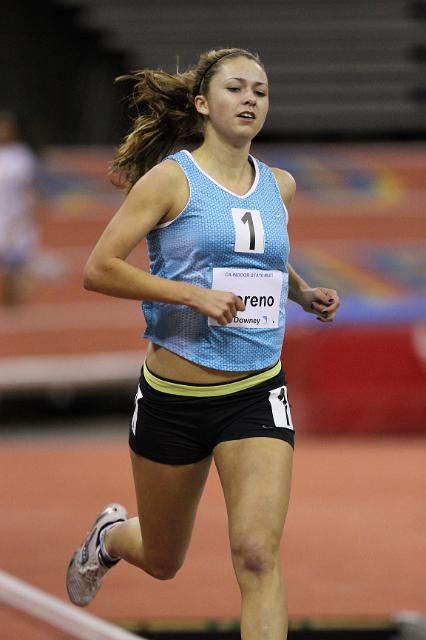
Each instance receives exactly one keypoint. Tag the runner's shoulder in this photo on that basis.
(286, 184)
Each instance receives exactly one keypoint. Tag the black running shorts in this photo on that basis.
(176, 423)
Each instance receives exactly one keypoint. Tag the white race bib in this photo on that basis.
(259, 290)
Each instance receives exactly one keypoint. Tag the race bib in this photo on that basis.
(259, 290)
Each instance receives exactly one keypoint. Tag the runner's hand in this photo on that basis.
(222, 306)
(320, 301)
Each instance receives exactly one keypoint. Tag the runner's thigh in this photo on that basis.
(167, 497)
(255, 474)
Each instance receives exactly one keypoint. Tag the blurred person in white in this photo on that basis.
(19, 200)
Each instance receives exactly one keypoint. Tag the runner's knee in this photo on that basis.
(162, 568)
(254, 554)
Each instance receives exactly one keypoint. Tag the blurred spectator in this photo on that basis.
(19, 200)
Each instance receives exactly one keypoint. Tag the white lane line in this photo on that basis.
(70, 371)
(56, 612)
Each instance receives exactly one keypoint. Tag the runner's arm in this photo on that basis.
(108, 272)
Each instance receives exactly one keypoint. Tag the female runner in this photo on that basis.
(212, 386)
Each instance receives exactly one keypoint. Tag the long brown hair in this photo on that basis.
(166, 116)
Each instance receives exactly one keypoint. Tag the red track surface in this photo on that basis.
(354, 543)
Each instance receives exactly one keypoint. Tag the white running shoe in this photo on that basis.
(85, 572)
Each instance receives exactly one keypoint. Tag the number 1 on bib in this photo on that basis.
(249, 231)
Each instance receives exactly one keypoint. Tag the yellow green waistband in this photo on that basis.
(201, 391)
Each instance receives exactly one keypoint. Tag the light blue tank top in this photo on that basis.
(231, 243)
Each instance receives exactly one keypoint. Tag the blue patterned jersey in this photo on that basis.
(231, 243)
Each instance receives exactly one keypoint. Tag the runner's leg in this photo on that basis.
(256, 475)
(167, 497)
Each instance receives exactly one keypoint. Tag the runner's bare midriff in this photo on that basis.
(166, 364)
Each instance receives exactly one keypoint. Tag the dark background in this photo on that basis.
(338, 70)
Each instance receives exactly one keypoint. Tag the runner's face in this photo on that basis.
(237, 98)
